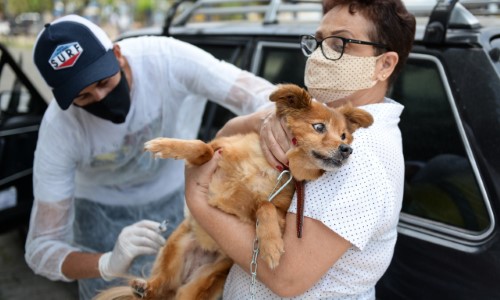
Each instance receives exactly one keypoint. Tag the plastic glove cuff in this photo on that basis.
(103, 266)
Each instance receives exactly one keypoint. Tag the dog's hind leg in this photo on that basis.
(168, 268)
(195, 152)
(207, 283)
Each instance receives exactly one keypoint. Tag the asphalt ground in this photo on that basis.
(17, 280)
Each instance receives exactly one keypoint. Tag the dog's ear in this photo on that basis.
(290, 97)
(356, 117)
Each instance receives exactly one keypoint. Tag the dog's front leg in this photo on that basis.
(195, 152)
(269, 234)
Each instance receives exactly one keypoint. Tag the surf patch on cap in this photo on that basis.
(65, 56)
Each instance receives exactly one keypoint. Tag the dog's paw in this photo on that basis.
(271, 251)
(159, 147)
(139, 288)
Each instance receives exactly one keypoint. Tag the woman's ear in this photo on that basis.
(386, 65)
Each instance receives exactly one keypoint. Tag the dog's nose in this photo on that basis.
(345, 150)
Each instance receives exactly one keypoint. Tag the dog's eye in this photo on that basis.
(342, 137)
(319, 127)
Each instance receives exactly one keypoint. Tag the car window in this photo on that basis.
(14, 96)
(21, 110)
(440, 183)
(280, 62)
(227, 53)
(18, 96)
(495, 52)
(215, 116)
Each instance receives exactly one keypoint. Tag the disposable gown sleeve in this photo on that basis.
(49, 238)
(199, 72)
(250, 92)
(50, 235)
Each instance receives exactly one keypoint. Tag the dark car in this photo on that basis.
(21, 111)
(448, 245)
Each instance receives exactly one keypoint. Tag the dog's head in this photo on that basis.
(322, 135)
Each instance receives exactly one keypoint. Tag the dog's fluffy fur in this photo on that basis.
(191, 265)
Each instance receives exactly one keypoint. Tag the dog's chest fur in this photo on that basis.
(243, 180)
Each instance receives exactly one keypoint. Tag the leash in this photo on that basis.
(275, 192)
(299, 188)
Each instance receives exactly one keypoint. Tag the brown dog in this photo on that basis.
(191, 265)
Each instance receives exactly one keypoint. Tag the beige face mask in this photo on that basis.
(330, 80)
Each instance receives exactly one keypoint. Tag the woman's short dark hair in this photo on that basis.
(394, 25)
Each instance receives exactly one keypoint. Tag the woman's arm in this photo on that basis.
(305, 260)
(245, 124)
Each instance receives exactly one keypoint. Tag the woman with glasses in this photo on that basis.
(350, 215)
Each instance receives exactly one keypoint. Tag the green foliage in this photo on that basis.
(143, 10)
(13, 8)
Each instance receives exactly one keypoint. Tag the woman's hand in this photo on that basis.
(197, 179)
(275, 140)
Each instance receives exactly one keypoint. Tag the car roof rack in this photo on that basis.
(268, 9)
(443, 14)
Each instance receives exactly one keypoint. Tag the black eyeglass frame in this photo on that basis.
(345, 41)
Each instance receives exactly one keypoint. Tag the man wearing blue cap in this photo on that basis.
(98, 196)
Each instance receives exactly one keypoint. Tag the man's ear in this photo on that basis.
(119, 56)
(386, 65)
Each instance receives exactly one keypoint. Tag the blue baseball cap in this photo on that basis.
(72, 53)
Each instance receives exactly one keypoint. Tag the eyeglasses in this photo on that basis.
(332, 47)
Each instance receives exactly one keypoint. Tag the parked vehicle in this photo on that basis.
(448, 245)
(21, 111)
(27, 23)
(483, 6)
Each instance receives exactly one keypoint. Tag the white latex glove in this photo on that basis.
(141, 238)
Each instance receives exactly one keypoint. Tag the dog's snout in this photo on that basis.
(345, 150)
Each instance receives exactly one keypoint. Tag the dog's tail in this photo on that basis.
(117, 293)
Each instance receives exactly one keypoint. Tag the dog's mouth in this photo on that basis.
(329, 163)
(328, 160)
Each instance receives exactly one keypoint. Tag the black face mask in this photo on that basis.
(115, 106)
